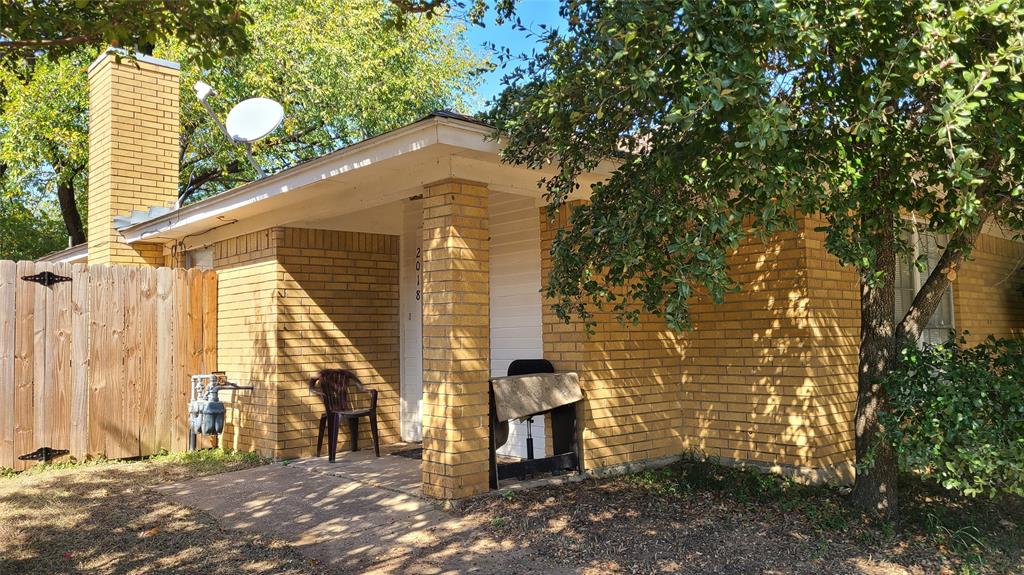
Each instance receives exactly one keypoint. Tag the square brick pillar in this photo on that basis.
(456, 339)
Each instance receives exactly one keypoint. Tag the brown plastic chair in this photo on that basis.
(333, 385)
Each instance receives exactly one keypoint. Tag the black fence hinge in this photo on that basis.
(43, 454)
(46, 278)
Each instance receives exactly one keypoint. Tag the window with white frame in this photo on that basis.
(909, 280)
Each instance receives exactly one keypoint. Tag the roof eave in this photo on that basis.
(74, 254)
(424, 131)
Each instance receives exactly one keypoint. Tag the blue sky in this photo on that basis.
(532, 13)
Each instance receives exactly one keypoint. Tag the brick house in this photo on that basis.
(416, 258)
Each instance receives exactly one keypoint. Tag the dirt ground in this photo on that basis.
(689, 521)
(106, 519)
(693, 518)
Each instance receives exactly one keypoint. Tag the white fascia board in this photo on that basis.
(468, 136)
(334, 165)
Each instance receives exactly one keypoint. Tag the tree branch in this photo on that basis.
(43, 43)
(206, 177)
(930, 295)
(418, 6)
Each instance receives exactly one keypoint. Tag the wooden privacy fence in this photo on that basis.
(100, 364)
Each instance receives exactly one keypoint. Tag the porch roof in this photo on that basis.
(376, 171)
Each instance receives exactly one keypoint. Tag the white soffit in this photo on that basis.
(383, 169)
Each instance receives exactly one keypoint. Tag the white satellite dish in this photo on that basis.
(253, 119)
(249, 121)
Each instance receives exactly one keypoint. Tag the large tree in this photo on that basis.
(734, 119)
(340, 69)
(43, 148)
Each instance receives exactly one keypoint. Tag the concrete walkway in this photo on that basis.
(358, 516)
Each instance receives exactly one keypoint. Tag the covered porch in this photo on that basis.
(413, 259)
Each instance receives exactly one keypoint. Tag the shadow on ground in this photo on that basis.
(350, 526)
(107, 520)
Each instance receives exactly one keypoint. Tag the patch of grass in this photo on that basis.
(45, 468)
(699, 475)
(201, 462)
(211, 457)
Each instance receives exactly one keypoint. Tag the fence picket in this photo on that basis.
(81, 283)
(132, 361)
(99, 364)
(146, 384)
(181, 360)
(58, 356)
(209, 321)
(8, 285)
(42, 372)
(122, 436)
(164, 377)
(195, 331)
(24, 363)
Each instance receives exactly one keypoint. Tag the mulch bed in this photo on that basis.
(628, 526)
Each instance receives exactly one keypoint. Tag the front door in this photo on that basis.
(411, 279)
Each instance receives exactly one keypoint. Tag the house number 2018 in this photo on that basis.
(419, 276)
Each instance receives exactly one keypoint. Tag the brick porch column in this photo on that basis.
(456, 339)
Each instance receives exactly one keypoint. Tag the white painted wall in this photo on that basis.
(516, 329)
(411, 308)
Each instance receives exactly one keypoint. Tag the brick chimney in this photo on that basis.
(133, 150)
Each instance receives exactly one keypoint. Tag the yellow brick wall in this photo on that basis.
(750, 387)
(988, 295)
(337, 305)
(133, 152)
(834, 292)
(456, 339)
(248, 276)
(988, 298)
(767, 377)
(293, 301)
(630, 377)
(748, 383)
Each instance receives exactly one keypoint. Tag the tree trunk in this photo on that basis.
(69, 211)
(874, 490)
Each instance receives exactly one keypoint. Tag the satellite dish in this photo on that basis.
(253, 119)
(247, 122)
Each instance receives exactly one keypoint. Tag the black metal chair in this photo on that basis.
(333, 387)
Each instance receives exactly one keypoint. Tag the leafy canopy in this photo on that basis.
(62, 27)
(732, 119)
(43, 147)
